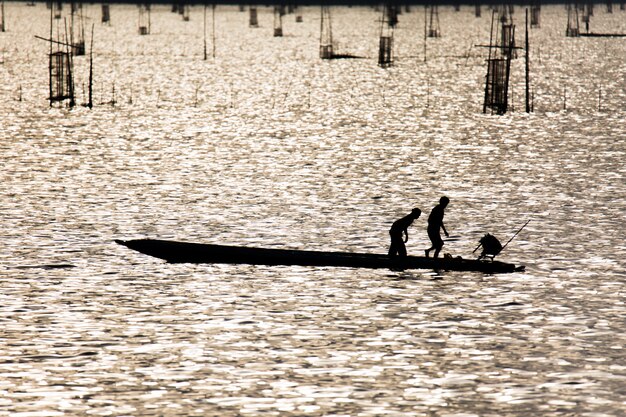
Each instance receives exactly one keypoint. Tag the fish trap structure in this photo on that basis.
(573, 24)
(185, 12)
(254, 17)
(77, 30)
(535, 15)
(61, 77)
(434, 30)
(60, 60)
(499, 64)
(385, 44)
(106, 14)
(57, 9)
(144, 21)
(279, 12)
(326, 34)
(3, 26)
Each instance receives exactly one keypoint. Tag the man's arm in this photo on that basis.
(444, 229)
(406, 235)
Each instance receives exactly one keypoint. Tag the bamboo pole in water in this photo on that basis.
(527, 67)
(90, 102)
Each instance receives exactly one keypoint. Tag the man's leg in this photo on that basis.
(392, 249)
(401, 249)
(438, 248)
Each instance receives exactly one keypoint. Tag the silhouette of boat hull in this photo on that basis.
(183, 252)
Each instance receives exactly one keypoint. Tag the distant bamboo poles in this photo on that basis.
(597, 97)
(213, 31)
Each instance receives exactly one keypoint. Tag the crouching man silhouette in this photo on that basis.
(399, 228)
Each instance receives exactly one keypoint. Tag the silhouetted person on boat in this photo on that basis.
(398, 229)
(435, 222)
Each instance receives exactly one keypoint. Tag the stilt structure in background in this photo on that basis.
(477, 10)
(57, 8)
(213, 6)
(433, 22)
(507, 31)
(587, 10)
(60, 64)
(106, 14)
(3, 27)
(279, 11)
(185, 11)
(327, 48)
(573, 29)
(77, 29)
(298, 12)
(326, 34)
(144, 19)
(385, 45)
(254, 18)
(535, 14)
(501, 46)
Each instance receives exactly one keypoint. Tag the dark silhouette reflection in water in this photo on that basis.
(399, 228)
(435, 222)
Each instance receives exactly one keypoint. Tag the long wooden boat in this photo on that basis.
(183, 252)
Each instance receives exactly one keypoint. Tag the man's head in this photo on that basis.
(444, 201)
(416, 213)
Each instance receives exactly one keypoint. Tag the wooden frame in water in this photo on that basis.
(434, 30)
(499, 63)
(279, 11)
(254, 17)
(3, 27)
(61, 83)
(573, 26)
(106, 14)
(497, 86)
(144, 19)
(326, 34)
(385, 44)
(535, 15)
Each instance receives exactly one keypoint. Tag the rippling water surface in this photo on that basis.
(267, 145)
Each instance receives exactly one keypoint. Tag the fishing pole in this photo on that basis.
(516, 233)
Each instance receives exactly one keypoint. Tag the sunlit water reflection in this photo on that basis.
(267, 145)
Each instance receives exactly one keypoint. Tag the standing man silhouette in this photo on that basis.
(435, 222)
(399, 228)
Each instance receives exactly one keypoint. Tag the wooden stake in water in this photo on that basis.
(425, 29)
(205, 55)
(90, 102)
(213, 30)
(527, 67)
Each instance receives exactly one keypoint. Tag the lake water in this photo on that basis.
(267, 145)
